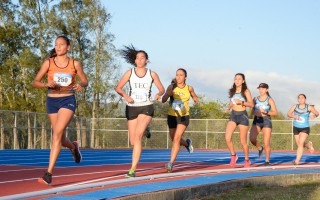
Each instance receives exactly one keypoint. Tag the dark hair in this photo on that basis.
(302, 95)
(53, 51)
(174, 81)
(184, 71)
(174, 85)
(244, 87)
(129, 53)
(264, 85)
(268, 93)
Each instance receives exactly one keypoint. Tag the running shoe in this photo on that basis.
(46, 178)
(266, 163)
(130, 174)
(147, 132)
(233, 160)
(260, 151)
(76, 152)
(169, 167)
(247, 163)
(189, 147)
(294, 162)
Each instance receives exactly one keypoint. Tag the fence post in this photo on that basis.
(168, 132)
(34, 130)
(15, 139)
(292, 136)
(80, 126)
(206, 133)
(51, 134)
(128, 138)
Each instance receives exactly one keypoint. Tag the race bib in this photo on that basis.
(232, 100)
(259, 106)
(62, 79)
(177, 105)
(139, 96)
(301, 120)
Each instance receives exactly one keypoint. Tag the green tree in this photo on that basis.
(86, 22)
(208, 109)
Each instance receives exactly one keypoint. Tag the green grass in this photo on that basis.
(310, 191)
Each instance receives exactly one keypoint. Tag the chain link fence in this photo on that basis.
(28, 130)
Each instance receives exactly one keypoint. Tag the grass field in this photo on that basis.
(309, 191)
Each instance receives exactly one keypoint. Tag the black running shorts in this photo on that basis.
(240, 117)
(173, 121)
(132, 112)
(262, 122)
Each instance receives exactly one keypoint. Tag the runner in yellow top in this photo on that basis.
(178, 113)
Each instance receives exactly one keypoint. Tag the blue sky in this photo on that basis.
(277, 42)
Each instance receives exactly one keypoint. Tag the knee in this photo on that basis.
(137, 139)
(176, 140)
(56, 141)
(267, 145)
(56, 137)
(228, 139)
(244, 144)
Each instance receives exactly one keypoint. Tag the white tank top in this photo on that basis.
(140, 88)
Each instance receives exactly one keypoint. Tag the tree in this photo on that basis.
(103, 76)
(86, 22)
(208, 109)
(27, 31)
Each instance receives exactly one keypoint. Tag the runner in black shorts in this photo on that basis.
(264, 108)
(240, 98)
(178, 114)
(301, 127)
(139, 109)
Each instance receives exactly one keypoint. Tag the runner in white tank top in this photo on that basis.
(139, 109)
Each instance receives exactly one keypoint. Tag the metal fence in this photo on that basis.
(28, 130)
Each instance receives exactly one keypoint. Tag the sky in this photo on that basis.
(276, 42)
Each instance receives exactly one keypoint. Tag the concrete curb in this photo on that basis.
(210, 190)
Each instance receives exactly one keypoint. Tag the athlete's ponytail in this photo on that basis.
(129, 53)
(53, 52)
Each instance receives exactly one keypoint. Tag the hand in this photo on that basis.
(263, 112)
(77, 87)
(227, 110)
(157, 97)
(129, 99)
(237, 101)
(195, 99)
(51, 84)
